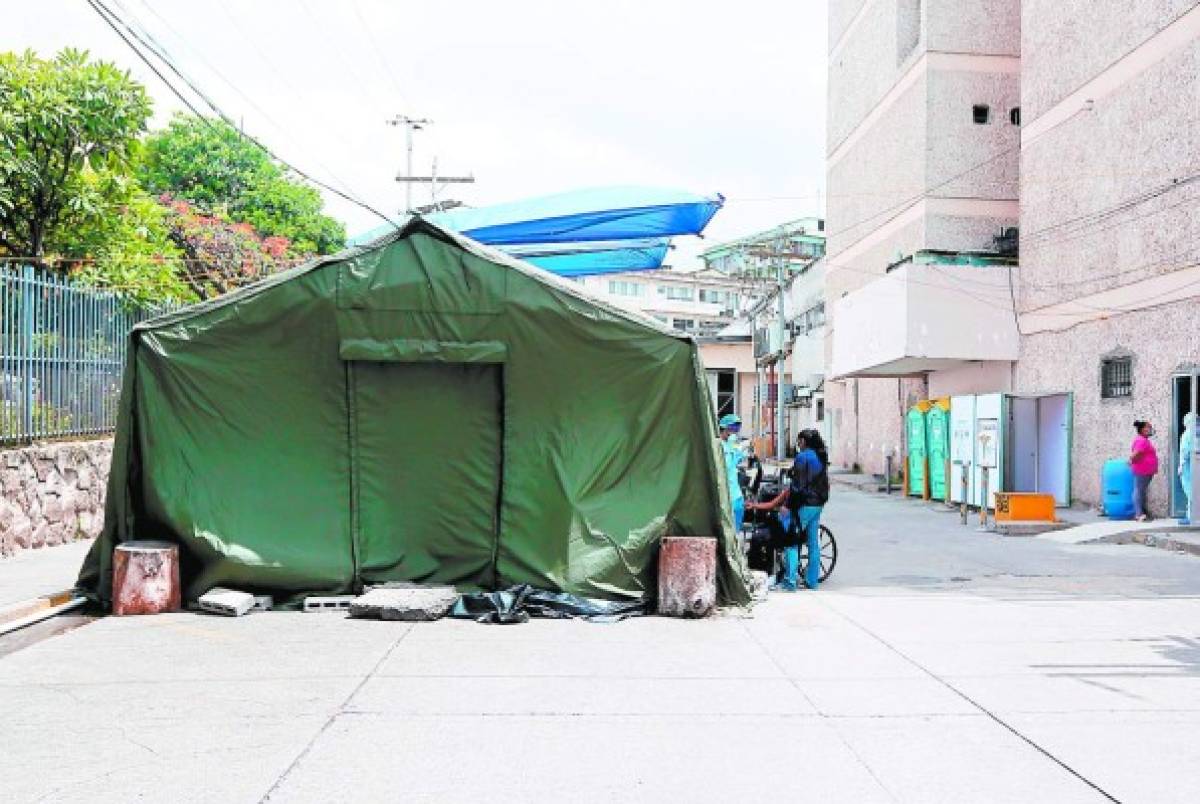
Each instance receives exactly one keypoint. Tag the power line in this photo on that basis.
(105, 14)
(1074, 178)
(339, 54)
(1103, 214)
(162, 49)
(387, 69)
(164, 55)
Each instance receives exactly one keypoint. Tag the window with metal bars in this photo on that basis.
(1116, 378)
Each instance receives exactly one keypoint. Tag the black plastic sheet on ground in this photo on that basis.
(518, 603)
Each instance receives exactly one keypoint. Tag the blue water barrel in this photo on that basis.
(1116, 483)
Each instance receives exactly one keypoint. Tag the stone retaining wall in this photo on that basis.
(52, 493)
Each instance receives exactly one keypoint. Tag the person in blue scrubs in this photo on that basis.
(805, 497)
(1187, 443)
(731, 425)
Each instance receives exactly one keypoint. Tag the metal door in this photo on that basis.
(990, 430)
(937, 431)
(962, 445)
(918, 459)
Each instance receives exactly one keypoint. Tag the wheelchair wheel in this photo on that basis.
(828, 556)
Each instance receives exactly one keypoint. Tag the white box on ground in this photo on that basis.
(229, 602)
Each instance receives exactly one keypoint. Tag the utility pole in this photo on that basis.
(412, 124)
(781, 259)
(775, 255)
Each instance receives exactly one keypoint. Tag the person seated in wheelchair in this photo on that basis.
(770, 531)
(804, 498)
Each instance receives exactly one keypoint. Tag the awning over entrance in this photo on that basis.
(921, 318)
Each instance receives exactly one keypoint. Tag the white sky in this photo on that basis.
(531, 96)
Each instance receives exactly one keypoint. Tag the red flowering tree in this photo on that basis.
(220, 255)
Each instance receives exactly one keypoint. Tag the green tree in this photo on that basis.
(60, 119)
(209, 163)
(118, 237)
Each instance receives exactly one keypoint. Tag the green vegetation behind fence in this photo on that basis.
(62, 351)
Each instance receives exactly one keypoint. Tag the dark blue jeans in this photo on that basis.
(1141, 484)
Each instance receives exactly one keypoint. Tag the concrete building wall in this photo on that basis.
(863, 66)
(967, 159)
(908, 169)
(985, 27)
(1103, 428)
(1076, 239)
(881, 168)
(1109, 233)
(1066, 43)
(842, 14)
(865, 416)
(972, 378)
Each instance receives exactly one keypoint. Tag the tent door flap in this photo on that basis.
(426, 471)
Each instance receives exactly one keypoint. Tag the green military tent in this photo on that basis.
(419, 409)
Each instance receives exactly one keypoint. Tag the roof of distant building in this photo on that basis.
(811, 229)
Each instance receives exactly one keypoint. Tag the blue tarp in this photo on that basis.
(608, 213)
(602, 258)
(603, 230)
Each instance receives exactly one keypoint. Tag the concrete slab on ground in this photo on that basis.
(1108, 529)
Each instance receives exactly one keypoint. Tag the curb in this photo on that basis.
(27, 608)
(1162, 541)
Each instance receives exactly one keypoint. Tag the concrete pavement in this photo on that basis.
(31, 573)
(938, 664)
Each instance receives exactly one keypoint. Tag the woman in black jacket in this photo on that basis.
(805, 497)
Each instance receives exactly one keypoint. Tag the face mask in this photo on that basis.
(1150, 432)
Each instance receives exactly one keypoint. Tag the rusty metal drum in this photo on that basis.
(687, 576)
(145, 578)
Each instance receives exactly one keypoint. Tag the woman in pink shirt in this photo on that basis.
(1144, 460)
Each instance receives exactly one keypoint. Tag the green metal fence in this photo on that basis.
(62, 350)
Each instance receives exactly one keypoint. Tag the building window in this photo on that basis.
(820, 414)
(1116, 378)
(675, 292)
(684, 324)
(981, 113)
(1014, 115)
(618, 288)
(722, 384)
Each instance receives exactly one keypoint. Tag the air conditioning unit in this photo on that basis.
(812, 381)
(1008, 242)
(798, 395)
(762, 345)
